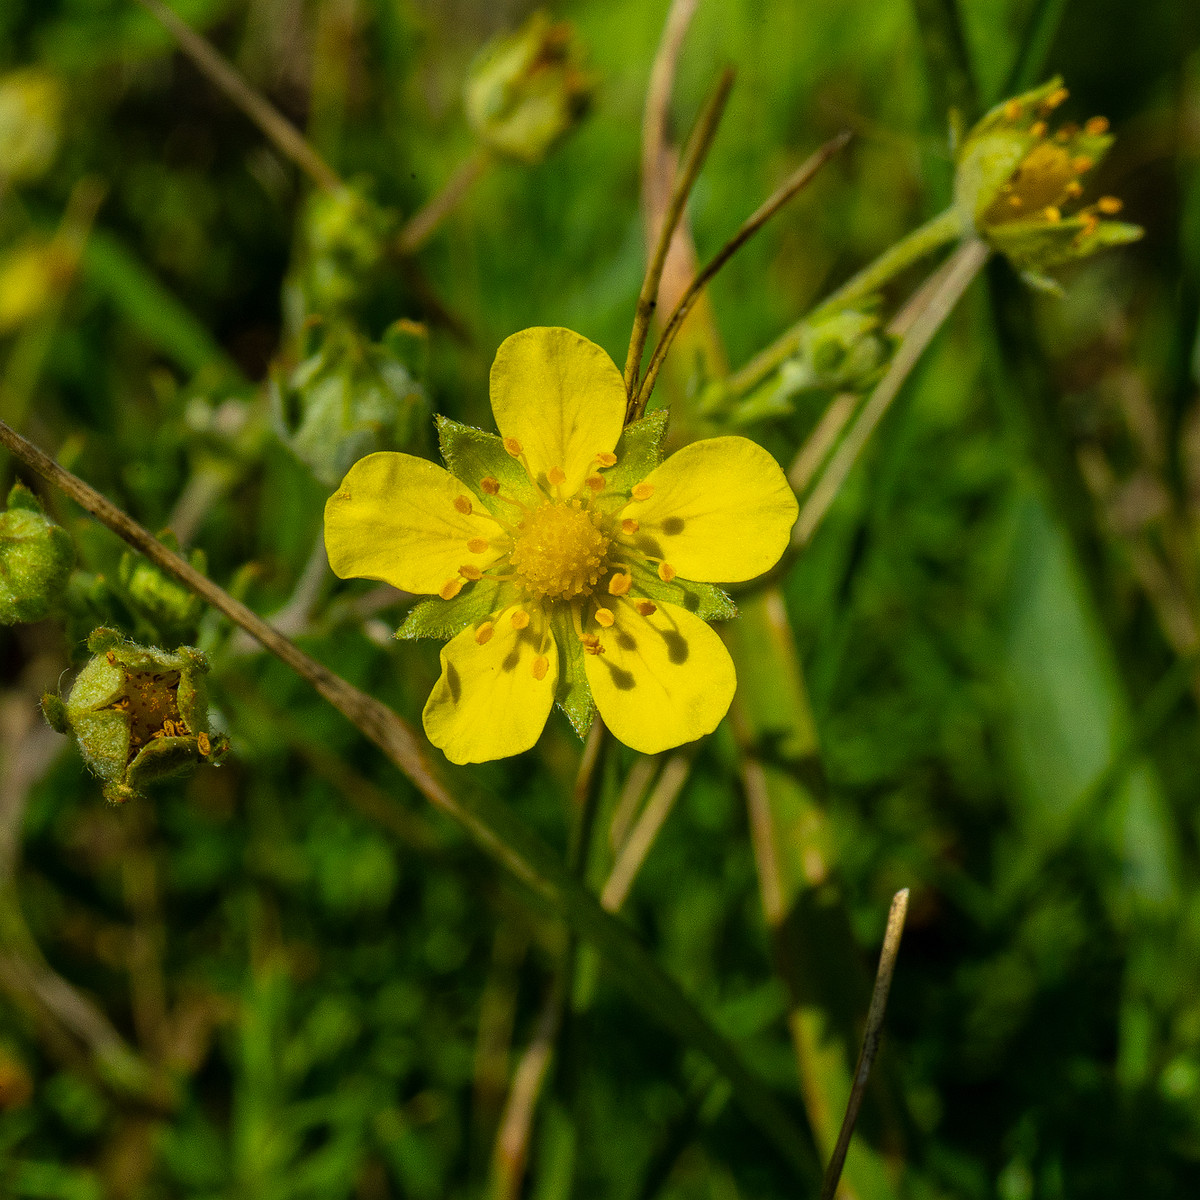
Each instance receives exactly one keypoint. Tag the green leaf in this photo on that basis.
(707, 602)
(638, 452)
(438, 618)
(574, 696)
(471, 455)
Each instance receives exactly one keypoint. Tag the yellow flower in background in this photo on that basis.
(567, 562)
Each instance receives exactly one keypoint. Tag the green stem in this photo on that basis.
(931, 236)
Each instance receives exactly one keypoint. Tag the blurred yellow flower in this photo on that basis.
(567, 562)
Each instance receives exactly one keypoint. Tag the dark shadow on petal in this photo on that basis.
(624, 639)
(677, 647)
(512, 658)
(672, 526)
(622, 680)
(648, 545)
(453, 682)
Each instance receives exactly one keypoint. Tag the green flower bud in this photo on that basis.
(349, 397)
(526, 90)
(343, 237)
(31, 105)
(166, 605)
(1016, 183)
(35, 559)
(139, 714)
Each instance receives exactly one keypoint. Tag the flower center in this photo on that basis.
(559, 550)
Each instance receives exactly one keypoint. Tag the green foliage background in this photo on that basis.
(1004, 696)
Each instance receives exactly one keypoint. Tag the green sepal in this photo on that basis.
(471, 455)
(55, 712)
(22, 497)
(1037, 244)
(573, 695)
(704, 600)
(638, 452)
(438, 618)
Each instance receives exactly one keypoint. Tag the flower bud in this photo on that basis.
(32, 276)
(31, 104)
(526, 90)
(1017, 184)
(168, 607)
(138, 713)
(35, 559)
(348, 397)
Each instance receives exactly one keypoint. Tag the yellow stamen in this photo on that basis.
(1096, 126)
(463, 504)
(520, 619)
(513, 447)
(666, 572)
(451, 588)
(605, 617)
(646, 609)
(557, 476)
(596, 482)
(619, 585)
(1055, 98)
(560, 550)
(203, 744)
(477, 545)
(591, 644)
(1109, 205)
(1074, 189)
(469, 572)
(490, 484)
(483, 634)
(1051, 213)
(643, 491)
(1012, 110)
(541, 665)
(605, 459)
(1081, 164)
(629, 525)
(1038, 129)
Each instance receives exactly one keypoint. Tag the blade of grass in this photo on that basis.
(494, 827)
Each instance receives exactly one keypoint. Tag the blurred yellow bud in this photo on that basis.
(527, 89)
(31, 105)
(32, 275)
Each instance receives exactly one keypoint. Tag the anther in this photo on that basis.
(541, 665)
(666, 572)
(1012, 110)
(1109, 205)
(646, 609)
(1081, 164)
(477, 545)
(629, 525)
(483, 634)
(642, 491)
(596, 482)
(513, 447)
(619, 585)
(490, 484)
(557, 476)
(1090, 222)
(1038, 129)
(1074, 189)
(469, 572)
(463, 504)
(591, 644)
(451, 588)
(520, 619)
(1055, 98)
(605, 459)
(111, 658)
(202, 743)
(605, 617)
(1096, 126)
(1051, 213)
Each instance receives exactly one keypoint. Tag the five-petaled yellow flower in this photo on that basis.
(567, 562)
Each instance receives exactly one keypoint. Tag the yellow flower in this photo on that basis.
(567, 562)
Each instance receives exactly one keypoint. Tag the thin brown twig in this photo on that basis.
(256, 106)
(871, 1037)
(795, 183)
(698, 145)
(419, 228)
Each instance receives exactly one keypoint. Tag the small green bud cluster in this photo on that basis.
(139, 714)
(526, 90)
(349, 396)
(36, 557)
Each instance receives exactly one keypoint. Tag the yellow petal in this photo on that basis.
(663, 679)
(561, 397)
(394, 518)
(718, 511)
(490, 702)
